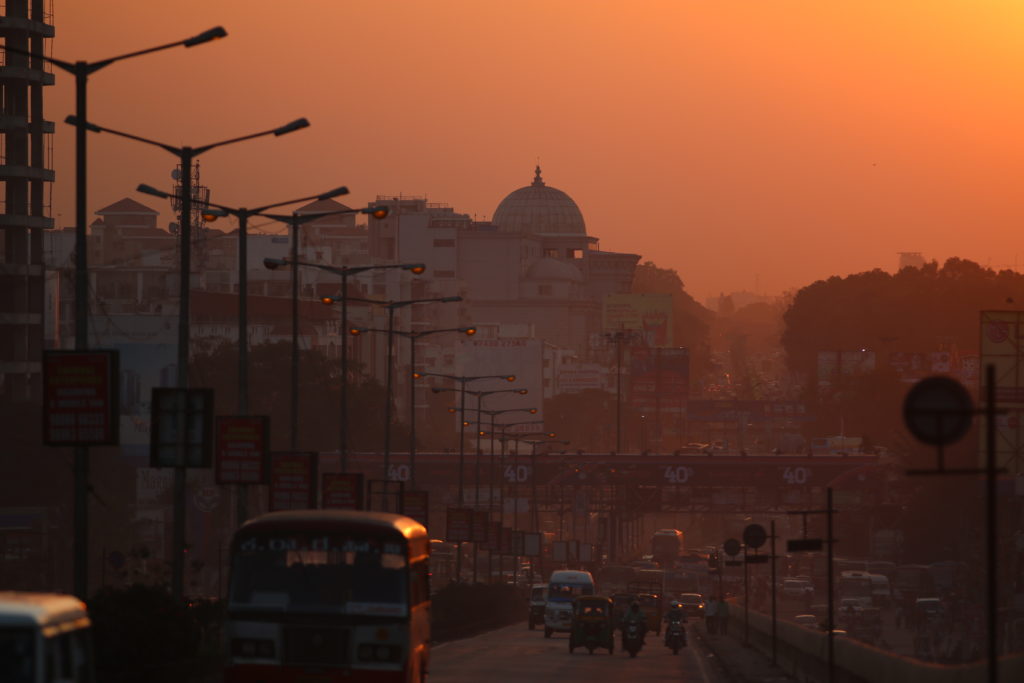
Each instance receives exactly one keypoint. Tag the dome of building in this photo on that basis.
(539, 209)
(553, 269)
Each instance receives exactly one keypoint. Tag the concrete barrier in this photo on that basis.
(803, 653)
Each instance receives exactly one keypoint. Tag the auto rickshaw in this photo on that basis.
(650, 605)
(592, 625)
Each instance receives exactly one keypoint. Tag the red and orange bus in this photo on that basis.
(329, 595)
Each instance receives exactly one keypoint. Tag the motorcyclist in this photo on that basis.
(633, 616)
(675, 613)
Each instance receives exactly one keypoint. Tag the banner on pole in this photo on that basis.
(459, 525)
(416, 504)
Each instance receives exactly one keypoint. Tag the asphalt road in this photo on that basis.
(514, 654)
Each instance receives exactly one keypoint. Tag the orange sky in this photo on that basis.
(743, 143)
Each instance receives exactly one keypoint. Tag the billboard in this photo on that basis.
(292, 481)
(651, 314)
(577, 377)
(834, 365)
(659, 379)
(240, 451)
(81, 398)
(1002, 346)
(342, 491)
(459, 525)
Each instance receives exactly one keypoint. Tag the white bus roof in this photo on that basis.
(51, 612)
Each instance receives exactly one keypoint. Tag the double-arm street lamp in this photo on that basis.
(413, 337)
(344, 272)
(533, 474)
(389, 363)
(185, 156)
(81, 70)
(479, 411)
(462, 380)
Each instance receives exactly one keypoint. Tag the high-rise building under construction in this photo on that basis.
(25, 174)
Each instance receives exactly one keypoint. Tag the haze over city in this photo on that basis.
(748, 145)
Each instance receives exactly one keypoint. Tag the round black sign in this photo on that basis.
(938, 411)
(754, 536)
(731, 547)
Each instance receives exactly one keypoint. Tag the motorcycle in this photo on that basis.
(632, 639)
(675, 637)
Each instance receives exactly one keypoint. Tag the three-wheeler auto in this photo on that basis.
(592, 624)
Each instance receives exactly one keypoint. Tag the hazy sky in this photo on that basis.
(755, 143)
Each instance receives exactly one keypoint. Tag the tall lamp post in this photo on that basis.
(344, 272)
(465, 423)
(389, 364)
(81, 70)
(491, 434)
(462, 380)
(185, 156)
(533, 477)
(413, 337)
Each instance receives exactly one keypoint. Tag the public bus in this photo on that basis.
(667, 547)
(44, 637)
(341, 594)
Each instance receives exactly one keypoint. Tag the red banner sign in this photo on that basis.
(416, 504)
(460, 525)
(80, 398)
(342, 491)
(241, 449)
(292, 481)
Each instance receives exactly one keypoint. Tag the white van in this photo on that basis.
(563, 587)
(44, 637)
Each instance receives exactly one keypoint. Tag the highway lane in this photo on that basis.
(514, 653)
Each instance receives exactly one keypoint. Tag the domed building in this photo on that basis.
(539, 209)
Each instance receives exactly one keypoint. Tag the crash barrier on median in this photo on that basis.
(803, 653)
(460, 610)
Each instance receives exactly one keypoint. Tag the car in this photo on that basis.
(693, 604)
(797, 589)
(809, 620)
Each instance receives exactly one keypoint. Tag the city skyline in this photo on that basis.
(754, 147)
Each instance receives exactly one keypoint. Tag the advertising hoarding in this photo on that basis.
(1002, 346)
(649, 314)
(342, 491)
(659, 379)
(240, 452)
(293, 481)
(459, 523)
(169, 406)
(80, 398)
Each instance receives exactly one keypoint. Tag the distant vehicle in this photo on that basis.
(798, 589)
(693, 604)
(343, 592)
(563, 587)
(808, 620)
(667, 546)
(44, 636)
(911, 581)
(881, 591)
(856, 586)
(926, 609)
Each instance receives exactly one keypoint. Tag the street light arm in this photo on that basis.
(92, 127)
(281, 130)
(60, 63)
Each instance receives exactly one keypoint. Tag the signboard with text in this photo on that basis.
(293, 481)
(240, 450)
(170, 408)
(342, 491)
(649, 314)
(481, 522)
(659, 379)
(416, 504)
(80, 398)
(459, 525)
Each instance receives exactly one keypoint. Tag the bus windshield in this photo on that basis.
(320, 573)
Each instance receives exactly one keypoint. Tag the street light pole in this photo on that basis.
(81, 70)
(185, 156)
